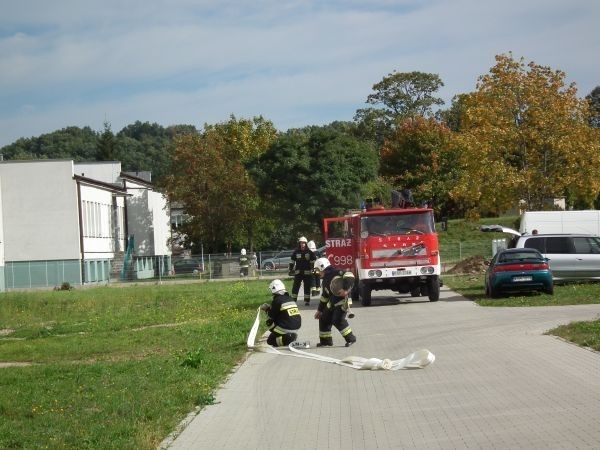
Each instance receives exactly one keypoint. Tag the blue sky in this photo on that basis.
(296, 63)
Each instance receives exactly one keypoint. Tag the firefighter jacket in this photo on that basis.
(285, 314)
(244, 262)
(341, 279)
(302, 261)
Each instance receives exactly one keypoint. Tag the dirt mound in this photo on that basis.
(474, 264)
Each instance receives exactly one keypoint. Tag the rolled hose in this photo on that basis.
(416, 360)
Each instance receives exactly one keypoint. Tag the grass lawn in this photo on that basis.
(586, 334)
(117, 368)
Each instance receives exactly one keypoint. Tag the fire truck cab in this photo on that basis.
(395, 249)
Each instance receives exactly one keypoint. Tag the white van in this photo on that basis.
(571, 256)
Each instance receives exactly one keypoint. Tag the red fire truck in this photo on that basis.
(395, 248)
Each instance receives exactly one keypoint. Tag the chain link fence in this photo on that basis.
(201, 268)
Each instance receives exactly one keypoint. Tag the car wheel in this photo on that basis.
(269, 266)
(364, 291)
(494, 293)
(550, 290)
(433, 288)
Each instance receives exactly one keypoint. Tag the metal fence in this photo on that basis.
(205, 267)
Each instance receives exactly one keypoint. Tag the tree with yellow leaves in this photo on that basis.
(525, 135)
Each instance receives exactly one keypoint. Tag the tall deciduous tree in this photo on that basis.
(525, 136)
(208, 177)
(397, 96)
(418, 156)
(314, 172)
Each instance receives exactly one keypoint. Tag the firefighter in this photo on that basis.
(336, 285)
(316, 281)
(301, 268)
(244, 263)
(284, 316)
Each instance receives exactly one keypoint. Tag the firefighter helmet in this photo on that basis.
(311, 246)
(321, 264)
(243, 252)
(303, 239)
(277, 287)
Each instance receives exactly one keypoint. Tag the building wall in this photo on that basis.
(105, 171)
(2, 280)
(148, 220)
(162, 222)
(40, 211)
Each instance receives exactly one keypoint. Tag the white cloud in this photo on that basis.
(295, 62)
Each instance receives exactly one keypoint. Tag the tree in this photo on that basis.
(208, 177)
(107, 150)
(525, 136)
(79, 144)
(398, 95)
(311, 173)
(145, 146)
(594, 99)
(419, 156)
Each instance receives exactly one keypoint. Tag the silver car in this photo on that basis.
(571, 256)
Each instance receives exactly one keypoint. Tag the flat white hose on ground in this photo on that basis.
(415, 360)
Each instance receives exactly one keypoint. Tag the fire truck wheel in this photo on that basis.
(433, 285)
(415, 291)
(364, 291)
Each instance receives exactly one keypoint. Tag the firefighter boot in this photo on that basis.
(325, 342)
(350, 339)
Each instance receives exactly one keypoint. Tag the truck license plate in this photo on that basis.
(521, 278)
(400, 272)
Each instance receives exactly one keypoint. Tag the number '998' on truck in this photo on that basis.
(395, 248)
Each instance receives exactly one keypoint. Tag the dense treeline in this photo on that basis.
(522, 136)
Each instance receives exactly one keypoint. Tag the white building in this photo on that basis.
(71, 222)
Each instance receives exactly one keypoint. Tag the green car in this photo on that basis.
(518, 270)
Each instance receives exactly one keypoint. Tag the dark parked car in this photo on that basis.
(190, 265)
(518, 270)
(279, 261)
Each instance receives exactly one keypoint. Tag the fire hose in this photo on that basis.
(416, 360)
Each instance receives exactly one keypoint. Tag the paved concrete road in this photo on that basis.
(497, 382)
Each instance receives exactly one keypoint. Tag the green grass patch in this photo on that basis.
(117, 368)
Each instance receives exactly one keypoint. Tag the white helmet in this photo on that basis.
(277, 287)
(243, 252)
(311, 246)
(321, 264)
(302, 239)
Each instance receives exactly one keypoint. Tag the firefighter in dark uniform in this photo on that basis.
(333, 306)
(244, 263)
(284, 316)
(301, 268)
(316, 282)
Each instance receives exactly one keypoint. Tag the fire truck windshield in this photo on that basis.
(398, 224)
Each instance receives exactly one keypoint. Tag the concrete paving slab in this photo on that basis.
(497, 382)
